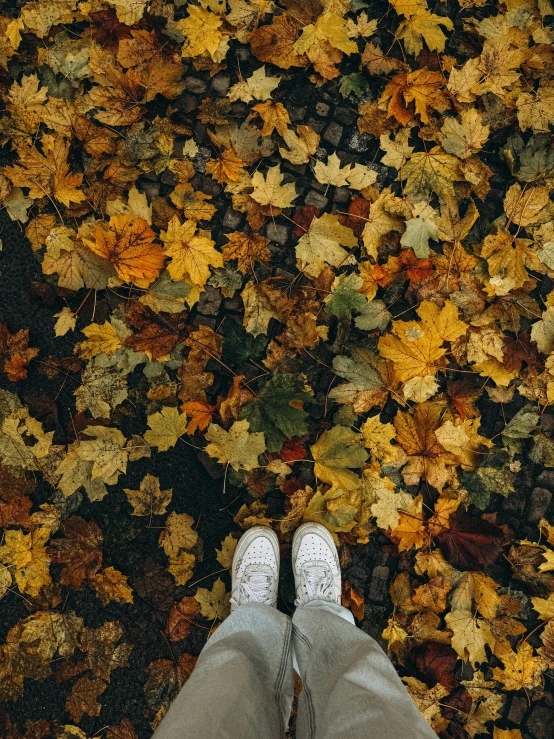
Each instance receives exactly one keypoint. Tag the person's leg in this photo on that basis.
(350, 687)
(242, 685)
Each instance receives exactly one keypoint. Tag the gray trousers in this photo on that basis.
(242, 685)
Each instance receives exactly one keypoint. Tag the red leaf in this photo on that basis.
(436, 662)
(292, 451)
(358, 215)
(470, 542)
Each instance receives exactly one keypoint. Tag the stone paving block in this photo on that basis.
(539, 503)
(333, 134)
(541, 723)
(316, 199)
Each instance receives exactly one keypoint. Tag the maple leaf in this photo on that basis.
(258, 86)
(236, 447)
(101, 339)
(47, 174)
(28, 555)
(275, 411)
(180, 621)
(469, 636)
(178, 534)
(337, 450)
(420, 25)
(166, 426)
(111, 585)
(470, 542)
(246, 249)
(275, 43)
(521, 669)
(228, 167)
(358, 177)
(268, 190)
(415, 93)
(128, 245)
(275, 117)
(201, 32)
(149, 499)
(301, 145)
(80, 551)
(15, 354)
(102, 654)
(214, 603)
(323, 244)
(328, 27)
(82, 698)
(427, 458)
(225, 554)
(191, 255)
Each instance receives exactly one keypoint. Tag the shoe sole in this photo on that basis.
(317, 529)
(247, 538)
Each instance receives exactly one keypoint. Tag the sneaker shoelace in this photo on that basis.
(318, 583)
(256, 589)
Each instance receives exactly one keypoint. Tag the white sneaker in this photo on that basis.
(255, 569)
(315, 563)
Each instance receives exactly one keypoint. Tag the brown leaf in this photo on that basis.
(15, 354)
(436, 662)
(157, 333)
(180, 622)
(470, 543)
(80, 550)
(274, 43)
(82, 698)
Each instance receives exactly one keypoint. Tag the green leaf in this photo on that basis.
(417, 235)
(240, 346)
(272, 412)
(353, 83)
(345, 298)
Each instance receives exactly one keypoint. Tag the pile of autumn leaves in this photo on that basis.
(83, 126)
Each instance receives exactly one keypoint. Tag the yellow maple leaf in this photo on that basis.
(214, 603)
(236, 447)
(469, 636)
(201, 32)
(416, 349)
(521, 669)
(275, 117)
(410, 530)
(269, 190)
(149, 499)
(228, 167)
(101, 339)
(47, 174)
(336, 451)
(378, 437)
(323, 244)
(258, 86)
(328, 27)
(166, 426)
(182, 567)
(27, 553)
(127, 244)
(178, 534)
(420, 25)
(301, 145)
(111, 586)
(191, 255)
(427, 458)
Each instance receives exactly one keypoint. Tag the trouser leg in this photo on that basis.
(242, 685)
(350, 688)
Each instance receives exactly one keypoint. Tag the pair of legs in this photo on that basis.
(242, 686)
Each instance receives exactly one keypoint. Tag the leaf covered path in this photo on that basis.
(266, 263)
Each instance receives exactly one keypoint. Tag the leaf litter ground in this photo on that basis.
(283, 269)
